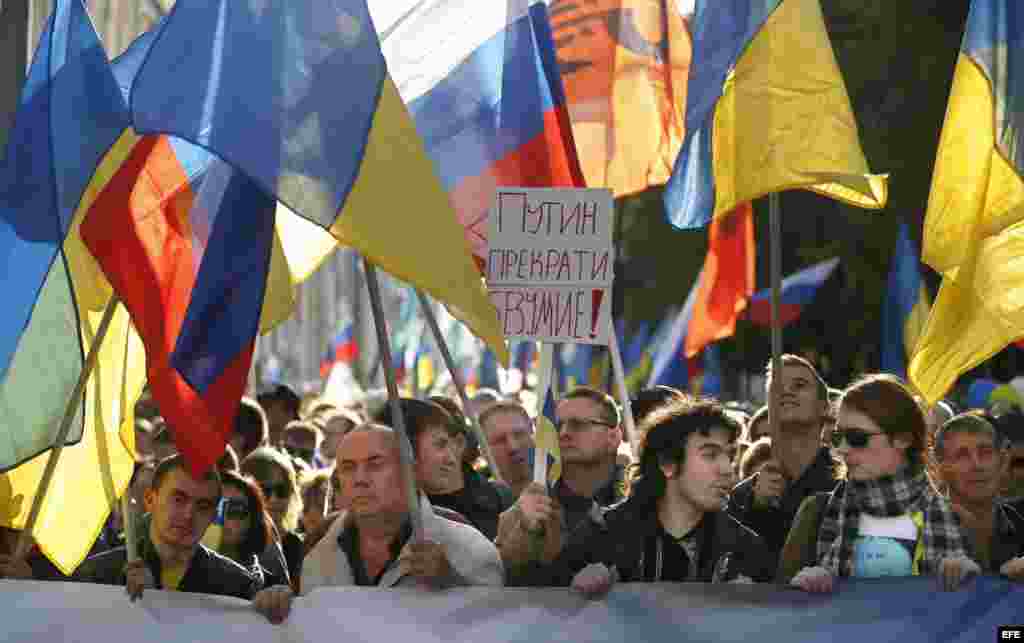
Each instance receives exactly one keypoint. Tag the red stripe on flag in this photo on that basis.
(728, 280)
(547, 160)
(138, 230)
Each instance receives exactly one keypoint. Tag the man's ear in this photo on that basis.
(149, 500)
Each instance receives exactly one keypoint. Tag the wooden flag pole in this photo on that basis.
(404, 446)
(775, 251)
(25, 538)
(129, 526)
(459, 385)
(540, 458)
(620, 386)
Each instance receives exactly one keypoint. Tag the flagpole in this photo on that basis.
(540, 457)
(459, 386)
(620, 385)
(775, 255)
(25, 538)
(404, 446)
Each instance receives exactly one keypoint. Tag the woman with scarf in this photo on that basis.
(883, 518)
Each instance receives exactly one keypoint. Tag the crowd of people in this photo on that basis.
(863, 482)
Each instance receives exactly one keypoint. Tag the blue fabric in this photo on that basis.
(799, 288)
(69, 114)
(902, 293)
(284, 91)
(995, 31)
(721, 30)
(233, 220)
(494, 102)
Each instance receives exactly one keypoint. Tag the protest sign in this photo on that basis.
(550, 263)
(907, 610)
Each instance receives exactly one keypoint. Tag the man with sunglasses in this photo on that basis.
(768, 502)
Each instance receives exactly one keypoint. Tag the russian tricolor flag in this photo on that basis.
(342, 348)
(483, 85)
(798, 291)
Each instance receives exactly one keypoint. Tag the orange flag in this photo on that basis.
(728, 279)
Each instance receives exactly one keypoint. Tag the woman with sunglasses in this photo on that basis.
(248, 536)
(883, 518)
(275, 474)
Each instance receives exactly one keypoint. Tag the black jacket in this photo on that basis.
(773, 524)
(480, 501)
(618, 537)
(1008, 537)
(208, 572)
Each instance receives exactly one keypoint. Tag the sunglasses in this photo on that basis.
(281, 490)
(856, 438)
(235, 508)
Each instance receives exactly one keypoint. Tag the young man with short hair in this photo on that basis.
(171, 556)
(768, 504)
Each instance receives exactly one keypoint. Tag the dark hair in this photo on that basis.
(418, 416)
(892, 406)
(609, 409)
(972, 422)
(648, 399)
(283, 395)
(177, 462)
(161, 432)
(262, 531)
(251, 423)
(1009, 422)
(757, 454)
(228, 461)
(665, 434)
(788, 359)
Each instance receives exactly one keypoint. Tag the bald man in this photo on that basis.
(371, 544)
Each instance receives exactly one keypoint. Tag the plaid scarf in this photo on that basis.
(888, 497)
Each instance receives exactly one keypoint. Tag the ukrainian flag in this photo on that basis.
(906, 306)
(766, 111)
(974, 226)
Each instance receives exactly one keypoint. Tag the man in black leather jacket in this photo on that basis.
(170, 556)
(671, 527)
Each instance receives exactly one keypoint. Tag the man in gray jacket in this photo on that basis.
(371, 544)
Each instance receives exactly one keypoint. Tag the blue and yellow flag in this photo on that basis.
(258, 85)
(766, 110)
(974, 226)
(906, 306)
(69, 114)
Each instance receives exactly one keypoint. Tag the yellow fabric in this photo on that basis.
(913, 325)
(784, 120)
(546, 440)
(918, 519)
(92, 474)
(170, 577)
(399, 217)
(974, 237)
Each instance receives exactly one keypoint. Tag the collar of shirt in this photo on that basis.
(348, 541)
